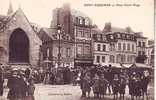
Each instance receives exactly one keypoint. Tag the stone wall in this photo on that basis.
(19, 20)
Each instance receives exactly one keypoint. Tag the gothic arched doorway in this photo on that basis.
(18, 47)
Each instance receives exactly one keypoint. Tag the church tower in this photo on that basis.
(10, 9)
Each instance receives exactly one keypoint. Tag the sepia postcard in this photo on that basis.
(77, 49)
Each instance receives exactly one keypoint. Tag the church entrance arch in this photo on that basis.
(18, 47)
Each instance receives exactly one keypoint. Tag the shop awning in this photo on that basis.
(139, 65)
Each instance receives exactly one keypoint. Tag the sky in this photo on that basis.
(140, 18)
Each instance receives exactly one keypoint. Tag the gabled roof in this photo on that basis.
(12, 17)
(96, 30)
(45, 34)
(5, 19)
(109, 28)
(117, 29)
(36, 27)
(49, 34)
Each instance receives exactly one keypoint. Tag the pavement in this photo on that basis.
(69, 92)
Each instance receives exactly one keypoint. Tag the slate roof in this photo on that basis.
(118, 29)
(49, 34)
(45, 34)
(139, 35)
(96, 31)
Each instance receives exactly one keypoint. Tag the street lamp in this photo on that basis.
(59, 45)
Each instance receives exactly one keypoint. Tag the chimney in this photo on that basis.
(107, 27)
(128, 29)
(66, 6)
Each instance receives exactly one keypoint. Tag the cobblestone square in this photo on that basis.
(69, 92)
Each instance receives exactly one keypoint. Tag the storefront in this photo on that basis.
(83, 63)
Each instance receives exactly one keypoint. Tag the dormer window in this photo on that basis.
(77, 20)
(119, 36)
(103, 37)
(98, 37)
(81, 21)
(86, 21)
(111, 37)
(128, 37)
(123, 35)
(68, 38)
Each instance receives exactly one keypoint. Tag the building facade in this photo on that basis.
(100, 47)
(150, 53)
(52, 42)
(142, 45)
(19, 43)
(112, 45)
(122, 44)
(78, 26)
(79, 43)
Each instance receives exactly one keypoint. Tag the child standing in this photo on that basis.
(31, 89)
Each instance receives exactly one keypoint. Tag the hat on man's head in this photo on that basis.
(14, 69)
(134, 73)
(14, 73)
(96, 76)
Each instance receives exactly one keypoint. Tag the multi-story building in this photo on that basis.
(100, 47)
(78, 42)
(141, 44)
(52, 42)
(150, 53)
(78, 25)
(122, 44)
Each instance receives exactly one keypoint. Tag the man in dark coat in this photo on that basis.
(144, 84)
(122, 86)
(83, 72)
(23, 84)
(66, 75)
(1, 81)
(13, 85)
(109, 77)
(102, 86)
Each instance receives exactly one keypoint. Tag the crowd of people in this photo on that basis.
(20, 84)
(53, 76)
(102, 79)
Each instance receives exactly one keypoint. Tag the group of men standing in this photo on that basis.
(102, 79)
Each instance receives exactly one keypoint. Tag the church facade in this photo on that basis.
(19, 44)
